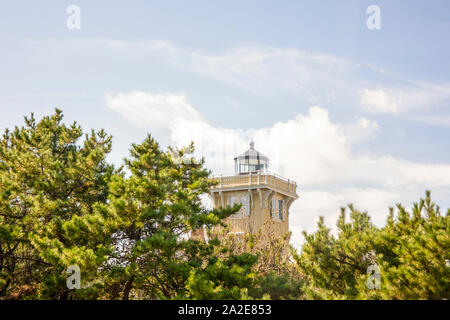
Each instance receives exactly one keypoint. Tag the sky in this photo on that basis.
(352, 114)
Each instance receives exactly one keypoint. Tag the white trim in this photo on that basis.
(253, 187)
(260, 198)
(268, 197)
(250, 195)
(221, 197)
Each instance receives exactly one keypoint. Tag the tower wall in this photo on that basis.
(263, 192)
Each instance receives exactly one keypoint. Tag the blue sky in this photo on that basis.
(363, 114)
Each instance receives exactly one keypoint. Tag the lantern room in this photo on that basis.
(251, 161)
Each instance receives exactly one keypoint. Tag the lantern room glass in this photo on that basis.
(251, 161)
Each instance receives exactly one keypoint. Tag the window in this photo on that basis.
(245, 201)
(280, 209)
(273, 208)
(244, 167)
(245, 208)
(276, 207)
(232, 200)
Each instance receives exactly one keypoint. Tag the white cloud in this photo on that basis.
(157, 111)
(309, 149)
(413, 97)
(314, 203)
(363, 129)
(377, 101)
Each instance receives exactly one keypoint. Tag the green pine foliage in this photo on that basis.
(128, 231)
(51, 178)
(222, 279)
(158, 205)
(412, 252)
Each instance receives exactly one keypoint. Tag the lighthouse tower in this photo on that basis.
(265, 196)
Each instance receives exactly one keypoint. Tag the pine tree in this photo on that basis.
(50, 181)
(413, 250)
(333, 265)
(411, 253)
(159, 205)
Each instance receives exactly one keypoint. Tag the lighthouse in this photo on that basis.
(265, 196)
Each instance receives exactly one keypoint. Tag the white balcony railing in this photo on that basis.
(260, 178)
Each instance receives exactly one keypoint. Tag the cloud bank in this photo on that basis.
(317, 153)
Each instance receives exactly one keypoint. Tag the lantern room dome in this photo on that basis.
(251, 161)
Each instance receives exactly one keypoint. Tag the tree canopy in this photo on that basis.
(65, 211)
(411, 255)
(52, 177)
